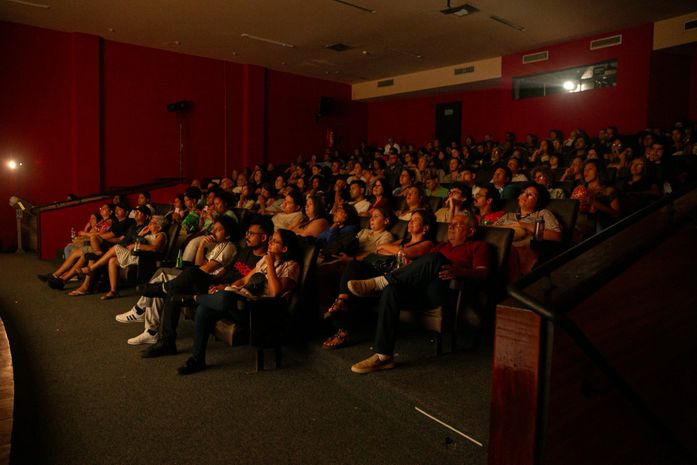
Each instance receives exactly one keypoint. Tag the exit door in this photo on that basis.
(448, 123)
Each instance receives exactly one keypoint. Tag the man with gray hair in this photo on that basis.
(421, 284)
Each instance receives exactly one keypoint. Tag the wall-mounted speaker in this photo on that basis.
(180, 106)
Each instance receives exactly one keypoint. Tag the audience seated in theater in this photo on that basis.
(177, 211)
(357, 195)
(143, 201)
(376, 260)
(599, 205)
(574, 172)
(275, 275)
(453, 173)
(214, 253)
(422, 284)
(149, 239)
(515, 165)
(530, 202)
(433, 187)
(502, 182)
(468, 177)
(542, 175)
(190, 220)
(381, 194)
(414, 200)
(291, 214)
(638, 181)
(393, 169)
(486, 204)
(81, 245)
(341, 235)
(459, 199)
(222, 201)
(314, 221)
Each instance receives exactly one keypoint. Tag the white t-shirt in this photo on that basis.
(361, 206)
(223, 253)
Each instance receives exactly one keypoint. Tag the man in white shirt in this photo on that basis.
(358, 200)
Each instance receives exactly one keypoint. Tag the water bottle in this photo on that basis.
(73, 235)
(401, 257)
(539, 229)
(180, 260)
(136, 247)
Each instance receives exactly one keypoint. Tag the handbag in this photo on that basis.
(256, 284)
(382, 263)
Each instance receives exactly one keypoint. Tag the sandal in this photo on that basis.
(78, 292)
(109, 295)
(339, 305)
(340, 339)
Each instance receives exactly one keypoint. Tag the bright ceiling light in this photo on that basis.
(13, 165)
(569, 85)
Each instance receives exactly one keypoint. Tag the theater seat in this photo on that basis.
(475, 298)
(268, 317)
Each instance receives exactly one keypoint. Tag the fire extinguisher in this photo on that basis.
(329, 136)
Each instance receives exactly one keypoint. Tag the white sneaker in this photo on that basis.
(130, 316)
(143, 338)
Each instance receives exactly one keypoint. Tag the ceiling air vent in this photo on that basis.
(338, 47)
(465, 70)
(690, 25)
(535, 57)
(606, 42)
(386, 83)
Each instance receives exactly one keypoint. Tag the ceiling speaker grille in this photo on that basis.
(606, 42)
(465, 70)
(535, 57)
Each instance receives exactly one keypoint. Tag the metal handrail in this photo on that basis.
(110, 193)
(559, 318)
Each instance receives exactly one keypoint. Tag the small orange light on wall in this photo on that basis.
(13, 164)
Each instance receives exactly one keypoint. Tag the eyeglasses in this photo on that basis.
(454, 192)
(457, 225)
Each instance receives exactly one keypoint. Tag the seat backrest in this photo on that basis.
(399, 229)
(435, 202)
(441, 232)
(499, 239)
(308, 263)
(566, 212)
(364, 222)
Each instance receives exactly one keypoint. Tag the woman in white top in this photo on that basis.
(150, 239)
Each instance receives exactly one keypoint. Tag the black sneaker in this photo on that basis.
(191, 366)
(150, 290)
(159, 349)
(56, 283)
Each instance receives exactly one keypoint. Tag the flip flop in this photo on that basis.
(340, 339)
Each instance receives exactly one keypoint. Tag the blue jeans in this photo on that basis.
(212, 308)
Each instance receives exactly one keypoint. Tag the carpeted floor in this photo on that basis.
(83, 396)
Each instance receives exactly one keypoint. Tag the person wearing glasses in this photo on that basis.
(458, 200)
(530, 202)
(422, 284)
(214, 255)
(275, 275)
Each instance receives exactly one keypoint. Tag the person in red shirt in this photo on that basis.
(421, 284)
(485, 202)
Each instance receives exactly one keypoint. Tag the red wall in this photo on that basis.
(293, 127)
(493, 111)
(85, 114)
(413, 120)
(625, 105)
(693, 89)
